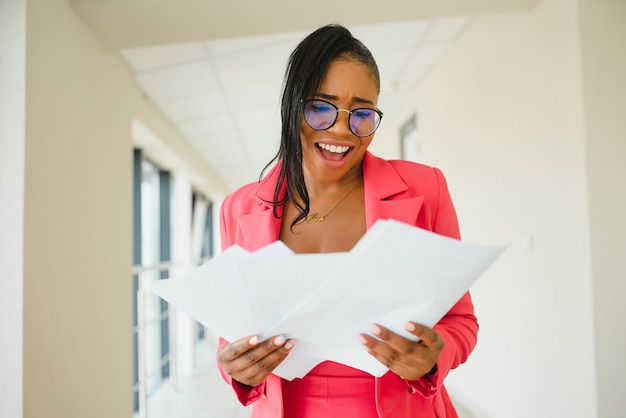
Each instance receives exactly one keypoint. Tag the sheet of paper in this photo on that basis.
(395, 273)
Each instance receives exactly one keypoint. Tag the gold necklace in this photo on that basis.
(316, 217)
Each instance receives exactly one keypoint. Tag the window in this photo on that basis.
(151, 262)
(409, 140)
(161, 207)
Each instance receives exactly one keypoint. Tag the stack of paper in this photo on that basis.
(395, 273)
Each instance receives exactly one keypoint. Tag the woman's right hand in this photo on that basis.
(250, 361)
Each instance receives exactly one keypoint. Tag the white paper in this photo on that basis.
(395, 273)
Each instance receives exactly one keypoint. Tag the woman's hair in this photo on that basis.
(306, 69)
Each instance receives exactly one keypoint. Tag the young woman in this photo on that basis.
(324, 192)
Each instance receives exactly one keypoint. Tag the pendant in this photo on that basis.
(315, 217)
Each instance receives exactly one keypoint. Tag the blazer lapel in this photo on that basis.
(404, 210)
(259, 227)
(386, 193)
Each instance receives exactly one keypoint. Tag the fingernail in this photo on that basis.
(254, 340)
(280, 340)
(409, 326)
(375, 329)
(361, 339)
(289, 345)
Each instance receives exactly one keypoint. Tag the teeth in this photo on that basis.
(334, 148)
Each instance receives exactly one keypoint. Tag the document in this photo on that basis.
(395, 273)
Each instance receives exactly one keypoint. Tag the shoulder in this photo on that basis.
(242, 200)
(417, 177)
(238, 203)
(399, 180)
(244, 192)
(402, 167)
(421, 176)
(409, 169)
(254, 196)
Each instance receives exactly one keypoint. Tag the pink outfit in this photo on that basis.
(330, 390)
(412, 193)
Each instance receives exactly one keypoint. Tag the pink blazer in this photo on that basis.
(401, 190)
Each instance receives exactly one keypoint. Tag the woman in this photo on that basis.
(322, 195)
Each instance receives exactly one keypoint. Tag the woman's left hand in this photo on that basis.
(407, 358)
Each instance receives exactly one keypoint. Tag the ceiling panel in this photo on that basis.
(217, 47)
(253, 65)
(445, 29)
(193, 107)
(162, 56)
(178, 81)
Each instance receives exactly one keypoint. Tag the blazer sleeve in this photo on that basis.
(226, 236)
(245, 394)
(459, 327)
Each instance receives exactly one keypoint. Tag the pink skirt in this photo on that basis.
(330, 390)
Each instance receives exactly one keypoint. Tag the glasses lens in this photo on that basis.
(320, 115)
(363, 122)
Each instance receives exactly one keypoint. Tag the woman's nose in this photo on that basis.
(342, 124)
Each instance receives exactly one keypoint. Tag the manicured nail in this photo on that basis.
(254, 340)
(375, 329)
(280, 340)
(409, 326)
(289, 345)
(361, 339)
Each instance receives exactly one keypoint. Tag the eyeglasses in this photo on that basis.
(321, 115)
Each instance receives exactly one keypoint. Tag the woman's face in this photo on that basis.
(328, 155)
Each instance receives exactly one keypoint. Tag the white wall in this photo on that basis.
(12, 91)
(502, 114)
(77, 221)
(81, 104)
(603, 40)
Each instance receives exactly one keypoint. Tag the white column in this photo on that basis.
(181, 257)
(12, 120)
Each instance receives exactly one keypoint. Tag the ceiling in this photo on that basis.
(220, 86)
(224, 95)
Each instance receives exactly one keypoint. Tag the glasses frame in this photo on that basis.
(350, 113)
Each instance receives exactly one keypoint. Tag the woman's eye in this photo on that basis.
(362, 113)
(320, 107)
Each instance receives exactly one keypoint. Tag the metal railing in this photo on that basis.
(146, 274)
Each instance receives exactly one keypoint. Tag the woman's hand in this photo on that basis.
(407, 358)
(250, 361)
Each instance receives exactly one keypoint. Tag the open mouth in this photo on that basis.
(333, 152)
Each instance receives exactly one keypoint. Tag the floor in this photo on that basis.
(204, 395)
